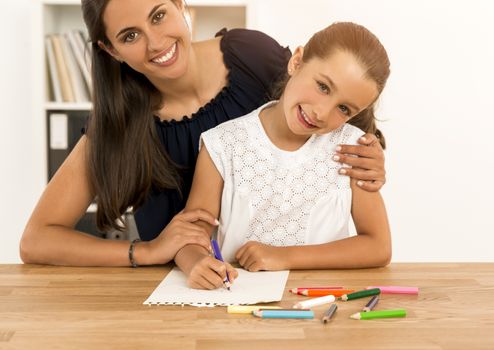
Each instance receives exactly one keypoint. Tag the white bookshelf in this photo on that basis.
(60, 16)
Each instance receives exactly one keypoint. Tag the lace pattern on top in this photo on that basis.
(282, 186)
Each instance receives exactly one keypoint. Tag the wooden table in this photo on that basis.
(43, 307)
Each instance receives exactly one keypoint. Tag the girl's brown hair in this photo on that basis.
(368, 51)
(125, 158)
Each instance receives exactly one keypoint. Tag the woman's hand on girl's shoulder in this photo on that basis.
(181, 231)
(366, 161)
(256, 256)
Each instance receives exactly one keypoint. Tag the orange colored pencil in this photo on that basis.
(323, 292)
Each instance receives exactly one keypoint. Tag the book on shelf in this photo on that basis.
(75, 75)
(56, 90)
(63, 72)
(68, 67)
(81, 53)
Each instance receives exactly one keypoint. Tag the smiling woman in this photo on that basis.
(155, 92)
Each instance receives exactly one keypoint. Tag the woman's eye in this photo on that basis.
(344, 109)
(130, 37)
(323, 87)
(158, 17)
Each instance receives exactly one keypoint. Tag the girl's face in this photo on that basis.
(151, 36)
(323, 94)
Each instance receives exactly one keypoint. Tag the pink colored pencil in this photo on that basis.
(396, 289)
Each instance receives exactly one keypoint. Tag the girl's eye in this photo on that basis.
(130, 37)
(323, 87)
(344, 109)
(158, 17)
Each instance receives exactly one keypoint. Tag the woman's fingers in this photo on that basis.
(371, 186)
(197, 214)
(362, 174)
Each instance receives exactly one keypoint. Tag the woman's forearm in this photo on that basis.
(359, 251)
(58, 245)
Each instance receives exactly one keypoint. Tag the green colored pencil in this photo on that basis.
(361, 294)
(379, 314)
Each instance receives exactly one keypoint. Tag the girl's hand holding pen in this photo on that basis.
(209, 273)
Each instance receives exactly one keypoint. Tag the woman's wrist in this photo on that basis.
(142, 255)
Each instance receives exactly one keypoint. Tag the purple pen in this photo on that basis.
(217, 255)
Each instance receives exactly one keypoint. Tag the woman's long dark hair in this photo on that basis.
(125, 158)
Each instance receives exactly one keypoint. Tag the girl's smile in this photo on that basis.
(304, 119)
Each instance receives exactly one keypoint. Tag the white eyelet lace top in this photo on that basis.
(278, 197)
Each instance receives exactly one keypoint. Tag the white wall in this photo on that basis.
(440, 160)
(19, 189)
(439, 120)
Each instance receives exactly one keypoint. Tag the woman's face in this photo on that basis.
(151, 36)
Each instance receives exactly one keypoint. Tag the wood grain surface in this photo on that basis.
(46, 307)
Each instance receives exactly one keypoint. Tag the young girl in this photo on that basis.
(155, 92)
(272, 178)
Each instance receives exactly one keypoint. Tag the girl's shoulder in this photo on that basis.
(349, 134)
(345, 134)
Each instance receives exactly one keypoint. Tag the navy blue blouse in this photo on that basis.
(255, 62)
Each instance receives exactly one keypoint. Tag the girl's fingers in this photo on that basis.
(200, 282)
(232, 272)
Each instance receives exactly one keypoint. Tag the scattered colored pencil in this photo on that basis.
(371, 304)
(379, 314)
(247, 309)
(301, 289)
(323, 292)
(314, 302)
(396, 289)
(328, 314)
(360, 294)
(290, 313)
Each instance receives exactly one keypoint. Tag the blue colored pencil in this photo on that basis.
(284, 313)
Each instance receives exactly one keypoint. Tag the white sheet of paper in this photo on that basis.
(249, 288)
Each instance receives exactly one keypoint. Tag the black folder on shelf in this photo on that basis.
(64, 130)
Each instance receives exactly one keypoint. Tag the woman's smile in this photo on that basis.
(167, 57)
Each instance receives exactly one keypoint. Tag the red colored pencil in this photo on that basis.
(323, 292)
(300, 289)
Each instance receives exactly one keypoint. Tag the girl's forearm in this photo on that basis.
(359, 251)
